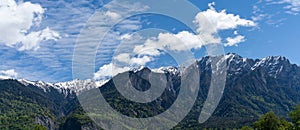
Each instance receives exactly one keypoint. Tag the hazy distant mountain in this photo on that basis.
(253, 87)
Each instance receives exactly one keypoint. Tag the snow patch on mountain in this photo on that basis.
(169, 69)
(76, 85)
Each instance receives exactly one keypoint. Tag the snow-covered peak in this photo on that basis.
(229, 57)
(236, 64)
(26, 82)
(80, 85)
(4, 77)
(274, 65)
(169, 69)
(232, 57)
(271, 61)
(76, 85)
(43, 85)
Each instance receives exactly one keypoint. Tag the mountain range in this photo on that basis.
(253, 87)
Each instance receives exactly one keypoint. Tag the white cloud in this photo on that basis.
(8, 74)
(17, 21)
(112, 69)
(133, 61)
(126, 37)
(124, 57)
(182, 41)
(140, 61)
(32, 40)
(185, 41)
(108, 71)
(234, 41)
(218, 21)
(235, 33)
(222, 20)
(112, 15)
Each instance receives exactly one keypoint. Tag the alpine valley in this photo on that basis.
(253, 88)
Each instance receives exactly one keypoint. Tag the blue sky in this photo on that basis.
(38, 37)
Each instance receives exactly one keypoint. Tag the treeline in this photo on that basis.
(270, 121)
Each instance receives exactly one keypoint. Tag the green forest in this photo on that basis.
(30, 108)
(270, 121)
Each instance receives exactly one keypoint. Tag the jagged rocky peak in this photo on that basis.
(144, 71)
(170, 69)
(235, 58)
(76, 85)
(41, 84)
(272, 61)
(274, 65)
(229, 57)
(265, 62)
(276, 58)
(277, 66)
(235, 63)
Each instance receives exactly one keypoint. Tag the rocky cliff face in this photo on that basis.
(45, 121)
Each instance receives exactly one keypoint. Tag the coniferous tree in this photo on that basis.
(295, 116)
(270, 121)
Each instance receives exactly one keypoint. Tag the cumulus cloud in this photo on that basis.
(218, 21)
(17, 22)
(125, 57)
(140, 61)
(222, 20)
(182, 41)
(109, 70)
(8, 74)
(234, 41)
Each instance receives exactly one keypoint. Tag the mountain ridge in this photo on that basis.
(238, 61)
(253, 87)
